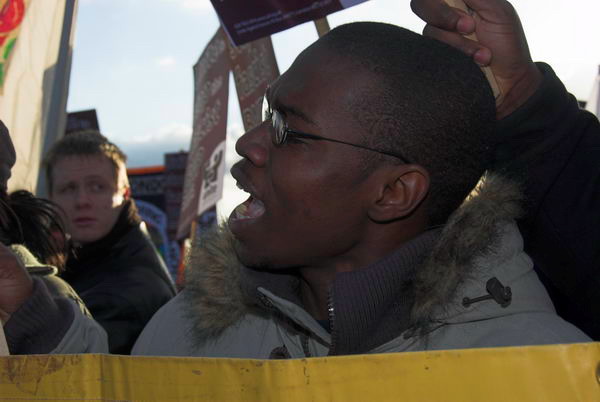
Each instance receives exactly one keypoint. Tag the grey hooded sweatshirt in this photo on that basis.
(466, 285)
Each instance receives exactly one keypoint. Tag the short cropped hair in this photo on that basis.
(85, 143)
(433, 105)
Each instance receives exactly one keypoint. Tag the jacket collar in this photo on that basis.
(220, 291)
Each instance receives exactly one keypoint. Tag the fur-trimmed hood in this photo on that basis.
(217, 292)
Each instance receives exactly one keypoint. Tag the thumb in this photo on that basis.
(15, 283)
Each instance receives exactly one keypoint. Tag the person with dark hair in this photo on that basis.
(113, 265)
(44, 236)
(546, 142)
(40, 312)
(371, 224)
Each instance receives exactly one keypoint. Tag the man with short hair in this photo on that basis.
(113, 266)
(363, 232)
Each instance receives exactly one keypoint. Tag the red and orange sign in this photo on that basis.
(11, 16)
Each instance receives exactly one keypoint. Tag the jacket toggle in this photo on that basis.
(496, 291)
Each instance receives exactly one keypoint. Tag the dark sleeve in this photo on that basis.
(40, 324)
(124, 310)
(120, 319)
(553, 147)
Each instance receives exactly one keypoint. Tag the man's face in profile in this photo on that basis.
(85, 187)
(307, 197)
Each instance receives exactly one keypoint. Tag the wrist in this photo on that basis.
(520, 92)
(19, 295)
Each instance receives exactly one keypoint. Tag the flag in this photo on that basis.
(35, 37)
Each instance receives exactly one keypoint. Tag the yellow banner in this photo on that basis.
(541, 373)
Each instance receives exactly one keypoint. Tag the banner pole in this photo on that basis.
(322, 26)
(460, 4)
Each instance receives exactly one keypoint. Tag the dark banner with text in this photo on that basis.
(248, 20)
(254, 67)
(203, 182)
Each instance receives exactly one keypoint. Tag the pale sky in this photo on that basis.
(133, 63)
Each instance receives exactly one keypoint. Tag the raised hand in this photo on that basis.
(15, 283)
(501, 43)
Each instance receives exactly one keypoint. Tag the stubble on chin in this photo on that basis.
(249, 259)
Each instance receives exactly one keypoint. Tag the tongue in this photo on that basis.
(253, 209)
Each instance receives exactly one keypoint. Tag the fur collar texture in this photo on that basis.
(217, 294)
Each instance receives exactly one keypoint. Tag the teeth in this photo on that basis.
(251, 209)
(256, 208)
(241, 210)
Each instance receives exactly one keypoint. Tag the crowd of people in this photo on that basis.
(394, 205)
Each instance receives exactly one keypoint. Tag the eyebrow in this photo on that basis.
(85, 179)
(291, 110)
(288, 109)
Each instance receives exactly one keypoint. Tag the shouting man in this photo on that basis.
(371, 226)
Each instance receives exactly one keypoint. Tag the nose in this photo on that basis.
(82, 199)
(254, 144)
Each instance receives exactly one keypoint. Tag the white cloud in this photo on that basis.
(167, 61)
(172, 132)
(149, 149)
(201, 6)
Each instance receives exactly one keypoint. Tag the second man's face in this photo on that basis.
(85, 187)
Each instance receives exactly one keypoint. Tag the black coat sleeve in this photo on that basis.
(123, 307)
(553, 147)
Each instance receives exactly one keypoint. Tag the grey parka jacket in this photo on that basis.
(220, 315)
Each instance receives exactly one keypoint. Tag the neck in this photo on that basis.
(317, 280)
(314, 292)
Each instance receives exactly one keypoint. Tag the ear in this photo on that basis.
(400, 190)
(123, 195)
(126, 193)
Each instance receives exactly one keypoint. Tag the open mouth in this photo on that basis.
(252, 208)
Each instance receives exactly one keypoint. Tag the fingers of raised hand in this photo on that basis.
(480, 54)
(15, 283)
(443, 15)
